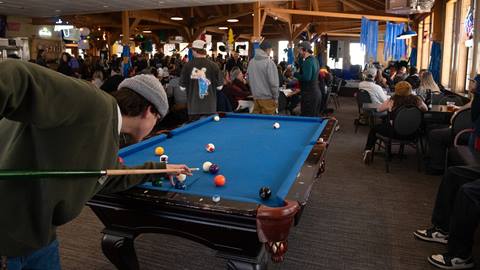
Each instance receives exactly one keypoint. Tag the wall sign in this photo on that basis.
(44, 32)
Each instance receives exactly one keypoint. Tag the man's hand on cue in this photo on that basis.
(184, 168)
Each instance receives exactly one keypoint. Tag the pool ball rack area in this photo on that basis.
(243, 228)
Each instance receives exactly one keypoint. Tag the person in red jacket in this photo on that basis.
(237, 89)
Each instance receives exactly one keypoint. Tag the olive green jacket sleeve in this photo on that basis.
(27, 95)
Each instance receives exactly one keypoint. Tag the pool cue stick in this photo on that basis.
(63, 174)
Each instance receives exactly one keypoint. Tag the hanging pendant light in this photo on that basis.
(407, 34)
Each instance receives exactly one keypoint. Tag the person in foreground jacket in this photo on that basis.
(49, 121)
(263, 79)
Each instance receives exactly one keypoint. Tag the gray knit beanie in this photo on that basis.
(149, 88)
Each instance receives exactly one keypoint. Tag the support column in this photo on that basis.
(257, 22)
(125, 27)
(476, 42)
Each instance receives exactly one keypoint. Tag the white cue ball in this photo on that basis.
(206, 166)
(276, 126)
(320, 140)
(181, 177)
(216, 118)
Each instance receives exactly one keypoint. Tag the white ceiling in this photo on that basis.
(39, 8)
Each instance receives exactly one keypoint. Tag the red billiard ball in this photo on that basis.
(120, 159)
(219, 180)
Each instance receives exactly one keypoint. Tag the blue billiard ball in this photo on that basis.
(214, 168)
(179, 185)
(265, 193)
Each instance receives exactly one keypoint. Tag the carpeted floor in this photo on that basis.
(358, 217)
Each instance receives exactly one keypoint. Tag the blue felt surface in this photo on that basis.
(250, 152)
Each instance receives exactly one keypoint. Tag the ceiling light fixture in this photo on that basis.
(1, 2)
(232, 20)
(407, 34)
(223, 28)
(147, 31)
(176, 18)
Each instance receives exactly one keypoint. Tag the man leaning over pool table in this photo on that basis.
(49, 121)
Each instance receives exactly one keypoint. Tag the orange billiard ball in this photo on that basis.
(159, 151)
(219, 180)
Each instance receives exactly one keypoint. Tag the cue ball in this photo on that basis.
(210, 147)
(164, 158)
(265, 193)
(216, 118)
(320, 140)
(159, 151)
(219, 180)
(206, 166)
(216, 198)
(181, 177)
(214, 168)
(276, 126)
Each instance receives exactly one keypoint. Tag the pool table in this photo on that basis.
(242, 227)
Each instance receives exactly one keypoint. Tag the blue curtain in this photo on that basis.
(255, 46)
(190, 54)
(369, 38)
(435, 60)
(394, 48)
(413, 57)
(126, 61)
(290, 56)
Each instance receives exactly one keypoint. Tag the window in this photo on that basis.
(357, 54)
(282, 54)
(218, 49)
(243, 52)
(335, 63)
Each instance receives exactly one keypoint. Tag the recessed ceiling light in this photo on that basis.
(232, 20)
(57, 10)
(1, 2)
(175, 18)
(223, 28)
(105, 6)
(147, 31)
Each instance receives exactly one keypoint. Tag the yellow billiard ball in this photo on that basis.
(159, 151)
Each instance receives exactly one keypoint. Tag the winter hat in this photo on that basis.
(265, 45)
(149, 88)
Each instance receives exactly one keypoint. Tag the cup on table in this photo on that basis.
(450, 106)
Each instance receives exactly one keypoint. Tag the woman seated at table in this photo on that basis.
(427, 83)
(403, 97)
(291, 97)
(237, 89)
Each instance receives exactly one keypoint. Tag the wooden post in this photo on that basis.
(476, 40)
(125, 27)
(257, 22)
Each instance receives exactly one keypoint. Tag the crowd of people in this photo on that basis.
(456, 208)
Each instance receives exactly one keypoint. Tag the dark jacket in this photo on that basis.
(236, 91)
(52, 122)
(112, 83)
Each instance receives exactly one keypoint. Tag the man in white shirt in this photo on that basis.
(376, 92)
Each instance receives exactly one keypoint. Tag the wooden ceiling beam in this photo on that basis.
(223, 19)
(350, 5)
(338, 15)
(152, 16)
(362, 5)
(135, 24)
(298, 30)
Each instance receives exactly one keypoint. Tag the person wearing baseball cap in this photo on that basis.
(49, 121)
(308, 77)
(377, 95)
(201, 78)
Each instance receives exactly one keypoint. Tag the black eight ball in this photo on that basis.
(265, 193)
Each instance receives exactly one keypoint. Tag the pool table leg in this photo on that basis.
(238, 262)
(119, 249)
